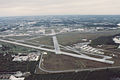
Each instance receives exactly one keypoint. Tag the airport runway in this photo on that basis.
(64, 53)
(55, 41)
(72, 70)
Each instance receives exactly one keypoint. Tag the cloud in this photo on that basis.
(48, 7)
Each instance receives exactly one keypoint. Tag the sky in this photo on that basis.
(59, 7)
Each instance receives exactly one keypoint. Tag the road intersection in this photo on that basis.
(62, 52)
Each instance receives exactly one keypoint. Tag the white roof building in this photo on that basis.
(117, 39)
(118, 24)
(18, 74)
(91, 49)
(45, 53)
(29, 57)
(0, 46)
(33, 57)
(20, 58)
(14, 78)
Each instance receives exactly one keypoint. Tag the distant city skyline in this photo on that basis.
(59, 7)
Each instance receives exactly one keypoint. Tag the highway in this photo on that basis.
(55, 41)
(64, 53)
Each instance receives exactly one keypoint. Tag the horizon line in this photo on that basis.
(65, 15)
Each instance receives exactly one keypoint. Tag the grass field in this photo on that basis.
(62, 62)
(55, 62)
(73, 37)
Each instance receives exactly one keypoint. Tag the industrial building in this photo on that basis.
(117, 40)
(29, 57)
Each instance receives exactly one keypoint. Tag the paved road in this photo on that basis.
(50, 71)
(72, 70)
(84, 53)
(64, 53)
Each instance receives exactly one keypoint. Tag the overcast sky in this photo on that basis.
(58, 7)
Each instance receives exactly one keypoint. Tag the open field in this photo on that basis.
(46, 40)
(73, 37)
(104, 74)
(53, 62)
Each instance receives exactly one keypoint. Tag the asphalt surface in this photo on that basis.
(64, 53)
(55, 41)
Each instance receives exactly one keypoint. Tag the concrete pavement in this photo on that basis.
(64, 53)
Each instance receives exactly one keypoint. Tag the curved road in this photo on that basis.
(73, 70)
